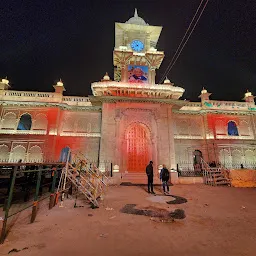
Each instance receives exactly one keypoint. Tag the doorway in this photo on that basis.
(138, 147)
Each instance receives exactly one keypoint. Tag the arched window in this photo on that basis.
(35, 154)
(232, 129)
(18, 153)
(64, 154)
(25, 122)
(4, 153)
(197, 156)
(9, 121)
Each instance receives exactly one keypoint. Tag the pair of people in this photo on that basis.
(164, 177)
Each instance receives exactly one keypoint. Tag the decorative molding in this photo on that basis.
(188, 137)
(80, 134)
(229, 137)
(50, 105)
(27, 132)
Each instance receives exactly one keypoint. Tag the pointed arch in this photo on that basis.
(250, 158)
(40, 122)
(220, 127)
(64, 154)
(35, 154)
(236, 158)
(232, 128)
(244, 128)
(224, 157)
(9, 121)
(25, 122)
(18, 153)
(198, 155)
(4, 153)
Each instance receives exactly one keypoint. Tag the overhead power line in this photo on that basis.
(182, 45)
(165, 73)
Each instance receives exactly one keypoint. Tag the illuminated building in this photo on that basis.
(130, 120)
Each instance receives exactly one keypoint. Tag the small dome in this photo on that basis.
(106, 77)
(167, 81)
(247, 94)
(59, 83)
(203, 91)
(136, 20)
(5, 81)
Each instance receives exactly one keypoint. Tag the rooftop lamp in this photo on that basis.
(248, 94)
(168, 82)
(59, 87)
(106, 77)
(203, 91)
(60, 83)
(5, 81)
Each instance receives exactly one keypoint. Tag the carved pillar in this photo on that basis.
(171, 139)
(124, 73)
(152, 76)
(108, 131)
(147, 43)
(123, 157)
(118, 141)
(253, 125)
(207, 135)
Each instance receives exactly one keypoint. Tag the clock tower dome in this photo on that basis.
(136, 58)
(135, 55)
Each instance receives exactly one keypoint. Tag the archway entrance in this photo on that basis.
(198, 156)
(138, 150)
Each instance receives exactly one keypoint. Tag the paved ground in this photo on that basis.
(219, 221)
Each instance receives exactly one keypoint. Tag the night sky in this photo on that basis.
(41, 41)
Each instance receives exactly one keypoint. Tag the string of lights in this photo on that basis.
(182, 43)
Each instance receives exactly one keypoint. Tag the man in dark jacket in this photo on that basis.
(150, 174)
(165, 176)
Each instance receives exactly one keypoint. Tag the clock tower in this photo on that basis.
(135, 56)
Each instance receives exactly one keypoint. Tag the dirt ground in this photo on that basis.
(219, 221)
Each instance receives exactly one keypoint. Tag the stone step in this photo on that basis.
(137, 178)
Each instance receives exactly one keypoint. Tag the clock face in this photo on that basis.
(137, 45)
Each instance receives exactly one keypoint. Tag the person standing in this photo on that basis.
(165, 176)
(150, 174)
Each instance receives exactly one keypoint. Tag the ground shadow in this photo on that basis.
(153, 212)
(178, 200)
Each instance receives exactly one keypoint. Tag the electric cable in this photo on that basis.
(178, 51)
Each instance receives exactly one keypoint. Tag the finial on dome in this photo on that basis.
(167, 81)
(60, 83)
(136, 13)
(249, 97)
(248, 94)
(136, 19)
(106, 77)
(59, 87)
(4, 84)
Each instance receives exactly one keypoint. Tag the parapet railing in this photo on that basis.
(10, 95)
(70, 100)
(229, 105)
